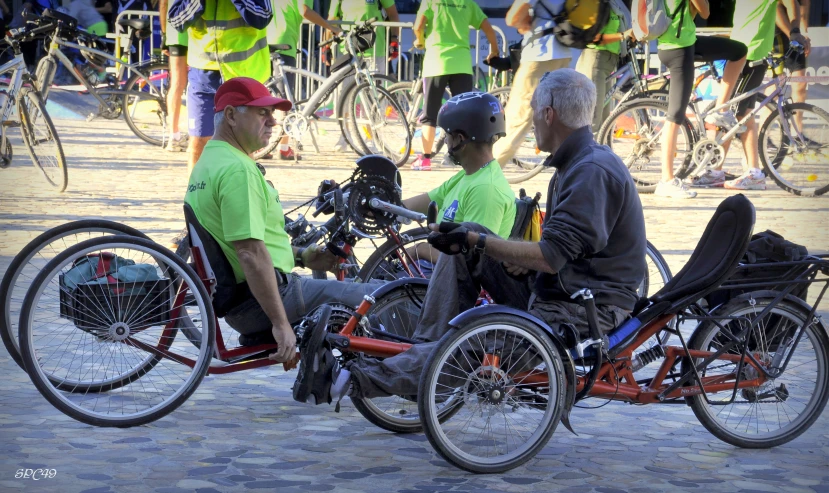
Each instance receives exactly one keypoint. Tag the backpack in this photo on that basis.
(578, 23)
(651, 19)
(766, 247)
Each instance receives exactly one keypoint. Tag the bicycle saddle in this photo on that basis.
(279, 47)
(137, 24)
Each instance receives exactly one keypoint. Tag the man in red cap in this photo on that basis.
(242, 212)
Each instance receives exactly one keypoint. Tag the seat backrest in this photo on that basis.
(525, 206)
(716, 256)
(226, 293)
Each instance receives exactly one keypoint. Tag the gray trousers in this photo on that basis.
(299, 295)
(453, 289)
(598, 65)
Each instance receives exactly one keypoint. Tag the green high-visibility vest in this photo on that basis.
(222, 40)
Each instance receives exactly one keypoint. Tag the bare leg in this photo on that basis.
(799, 95)
(194, 149)
(669, 135)
(729, 80)
(427, 138)
(178, 81)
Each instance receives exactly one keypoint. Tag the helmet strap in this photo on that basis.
(452, 152)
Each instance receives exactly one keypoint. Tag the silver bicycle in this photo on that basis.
(22, 107)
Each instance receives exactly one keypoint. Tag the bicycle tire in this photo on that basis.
(402, 94)
(396, 414)
(643, 107)
(57, 175)
(708, 335)
(106, 415)
(158, 136)
(8, 285)
(376, 260)
(397, 152)
(348, 86)
(781, 163)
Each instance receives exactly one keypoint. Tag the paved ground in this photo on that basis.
(243, 431)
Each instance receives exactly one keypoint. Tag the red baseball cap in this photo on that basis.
(244, 91)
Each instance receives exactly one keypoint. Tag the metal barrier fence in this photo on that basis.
(145, 47)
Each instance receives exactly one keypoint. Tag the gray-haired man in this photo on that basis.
(593, 237)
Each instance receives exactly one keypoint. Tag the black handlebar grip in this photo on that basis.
(592, 318)
(432, 213)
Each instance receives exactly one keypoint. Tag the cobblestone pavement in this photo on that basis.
(244, 432)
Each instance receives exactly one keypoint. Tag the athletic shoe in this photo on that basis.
(722, 119)
(177, 145)
(710, 179)
(750, 180)
(178, 241)
(289, 155)
(341, 145)
(257, 338)
(422, 163)
(674, 189)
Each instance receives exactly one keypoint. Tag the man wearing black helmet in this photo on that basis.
(479, 193)
(593, 237)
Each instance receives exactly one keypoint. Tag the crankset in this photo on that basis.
(295, 125)
(112, 109)
(707, 154)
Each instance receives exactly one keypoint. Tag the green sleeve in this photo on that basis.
(481, 205)
(386, 3)
(309, 4)
(425, 10)
(334, 9)
(243, 204)
(477, 16)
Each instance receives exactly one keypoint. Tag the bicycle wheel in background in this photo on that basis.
(347, 128)
(379, 124)
(634, 132)
(33, 257)
(402, 93)
(794, 149)
(145, 104)
(391, 261)
(41, 138)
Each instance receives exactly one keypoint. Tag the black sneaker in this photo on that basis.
(257, 338)
(317, 362)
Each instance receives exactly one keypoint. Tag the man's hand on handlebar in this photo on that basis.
(316, 257)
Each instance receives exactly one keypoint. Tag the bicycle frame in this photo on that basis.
(17, 66)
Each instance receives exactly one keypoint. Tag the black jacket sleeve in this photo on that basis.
(581, 223)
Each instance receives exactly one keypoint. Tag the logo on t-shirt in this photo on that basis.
(449, 213)
(196, 186)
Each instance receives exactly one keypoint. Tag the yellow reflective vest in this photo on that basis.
(222, 40)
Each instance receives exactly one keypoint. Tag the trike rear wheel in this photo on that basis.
(782, 408)
(112, 331)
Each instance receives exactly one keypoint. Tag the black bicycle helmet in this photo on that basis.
(479, 116)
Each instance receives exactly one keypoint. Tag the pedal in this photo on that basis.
(336, 341)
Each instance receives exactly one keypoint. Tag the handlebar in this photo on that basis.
(358, 28)
(381, 205)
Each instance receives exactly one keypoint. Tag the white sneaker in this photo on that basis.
(341, 145)
(750, 180)
(674, 189)
(711, 178)
(722, 119)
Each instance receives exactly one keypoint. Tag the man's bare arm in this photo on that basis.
(418, 203)
(162, 14)
(257, 265)
(312, 16)
(519, 16)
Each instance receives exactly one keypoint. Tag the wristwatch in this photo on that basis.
(480, 245)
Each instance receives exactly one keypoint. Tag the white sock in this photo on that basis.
(284, 147)
(176, 135)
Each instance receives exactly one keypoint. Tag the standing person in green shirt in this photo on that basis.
(754, 22)
(359, 11)
(677, 48)
(600, 59)
(442, 27)
(285, 29)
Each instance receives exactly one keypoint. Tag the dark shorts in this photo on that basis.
(751, 78)
(177, 50)
(795, 61)
(713, 48)
(201, 90)
(435, 87)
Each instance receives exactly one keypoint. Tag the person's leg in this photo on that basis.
(518, 111)
(178, 82)
(796, 63)
(713, 48)
(203, 87)
(285, 151)
(680, 63)
(455, 286)
(433, 89)
(752, 178)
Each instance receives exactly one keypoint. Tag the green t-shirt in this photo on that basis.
(754, 26)
(447, 35)
(284, 28)
(363, 10)
(484, 197)
(612, 27)
(233, 202)
(688, 36)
